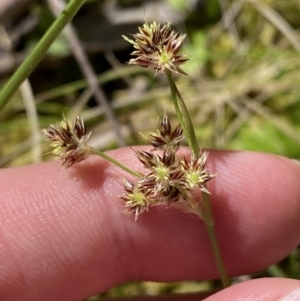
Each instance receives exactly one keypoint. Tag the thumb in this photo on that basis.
(265, 289)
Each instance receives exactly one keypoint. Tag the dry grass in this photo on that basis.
(243, 92)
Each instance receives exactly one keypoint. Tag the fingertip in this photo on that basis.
(264, 289)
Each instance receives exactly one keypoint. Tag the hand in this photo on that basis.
(64, 235)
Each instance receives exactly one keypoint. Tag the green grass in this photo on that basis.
(243, 93)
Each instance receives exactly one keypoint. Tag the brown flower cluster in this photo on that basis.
(171, 179)
(157, 48)
(69, 141)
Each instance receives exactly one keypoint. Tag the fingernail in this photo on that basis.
(293, 295)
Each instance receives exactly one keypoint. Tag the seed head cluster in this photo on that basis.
(69, 141)
(171, 179)
(157, 48)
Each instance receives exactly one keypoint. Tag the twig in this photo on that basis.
(10, 8)
(219, 136)
(56, 7)
(228, 22)
(278, 21)
(81, 102)
(243, 114)
(30, 108)
(24, 27)
(33, 122)
(114, 62)
(227, 18)
(106, 77)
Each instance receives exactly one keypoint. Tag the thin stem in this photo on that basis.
(38, 52)
(210, 228)
(115, 162)
(176, 105)
(33, 121)
(183, 116)
(188, 129)
(276, 271)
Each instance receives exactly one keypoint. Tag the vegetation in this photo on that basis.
(242, 90)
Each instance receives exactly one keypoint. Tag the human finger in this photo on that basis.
(64, 234)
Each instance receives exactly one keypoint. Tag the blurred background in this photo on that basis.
(243, 88)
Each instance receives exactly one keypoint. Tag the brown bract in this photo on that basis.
(171, 179)
(157, 48)
(69, 141)
(165, 137)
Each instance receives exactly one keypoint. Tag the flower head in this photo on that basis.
(171, 179)
(165, 172)
(69, 141)
(165, 137)
(157, 47)
(136, 201)
(195, 172)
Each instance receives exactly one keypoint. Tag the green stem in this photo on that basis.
(188, 129)
(210, 228)
(183, 115)
(39, 51)
(276, 271)
(176, 105)
(115, 162)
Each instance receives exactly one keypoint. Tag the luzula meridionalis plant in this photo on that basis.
(171, 180)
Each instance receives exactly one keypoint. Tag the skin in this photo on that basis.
(64, 235)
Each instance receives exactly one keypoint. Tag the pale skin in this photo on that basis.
(64, 236)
